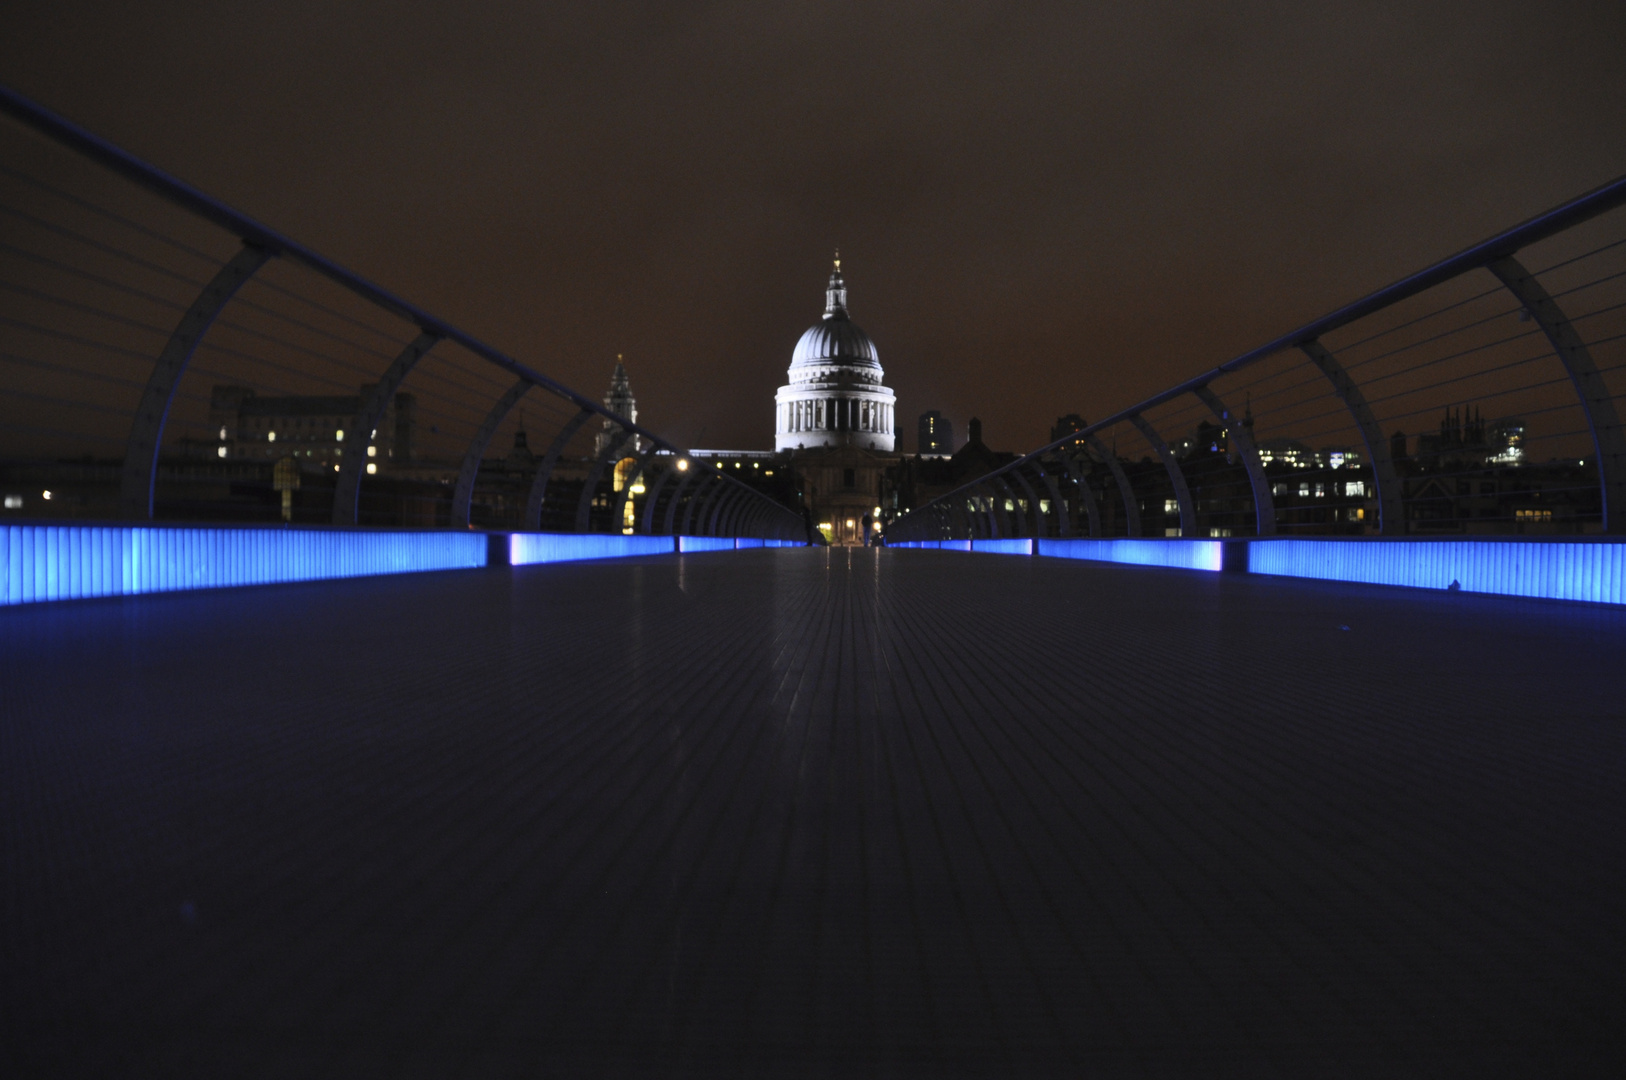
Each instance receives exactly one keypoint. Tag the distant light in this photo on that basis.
(46, 494)
(222, 433)
(736, 464)
(220, 451)
(14, 502)
(338, 436)
(335, 468)
(850, 523)
(767, 472)
(683, 464)
(372, 451)
(371, 468)
(270, 436)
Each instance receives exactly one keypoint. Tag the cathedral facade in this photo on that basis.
(834, 396)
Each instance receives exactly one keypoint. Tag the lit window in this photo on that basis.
(222, 433)
(221, 451)
(372, 451)
(338, 436)
(1355, 487)
(14, 502)
(1171, 506)
(767, 472)
(371, 468)
(270, 436)
(1304, 490)
(335, 468)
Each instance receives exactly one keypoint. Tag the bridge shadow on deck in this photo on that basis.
(813, 813)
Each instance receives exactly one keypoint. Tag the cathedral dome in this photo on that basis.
(833, 396)
(835, 339)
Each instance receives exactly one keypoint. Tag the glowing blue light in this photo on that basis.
(1003, 547)
(526, 549)
(747, 542)
(68, 562)
(936, 545)
(1556, 570)
(1181, 554)
(705, 543)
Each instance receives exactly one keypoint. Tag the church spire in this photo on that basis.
(835, 295)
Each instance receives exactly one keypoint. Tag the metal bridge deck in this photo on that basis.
(813, 813)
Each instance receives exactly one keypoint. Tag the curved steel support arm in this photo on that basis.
(611, 452)
(703, 494)
(1182, 494)
(463, 494)
(652, 500)
(722, 508)
(1608, 441)
(1086, 494)
(1036, 525)
(618, 515)
(147, 426)
(1391, 511)
(1064, 528)
(1264, 507)
(672, 504)
(347, 492)
(1126, 490)
(539, 483)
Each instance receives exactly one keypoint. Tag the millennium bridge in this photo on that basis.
(1142, 754)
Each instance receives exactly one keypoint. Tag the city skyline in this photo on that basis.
(1092, 219)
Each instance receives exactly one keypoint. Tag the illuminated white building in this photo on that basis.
(834, 397)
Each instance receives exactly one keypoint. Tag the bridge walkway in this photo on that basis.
(814, 813)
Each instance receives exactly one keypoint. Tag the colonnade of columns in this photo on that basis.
(836, 414)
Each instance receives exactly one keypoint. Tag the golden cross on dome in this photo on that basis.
(838, 260)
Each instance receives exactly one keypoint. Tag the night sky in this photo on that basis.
(1042, 208)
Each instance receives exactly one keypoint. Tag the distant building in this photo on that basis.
(311, 430)
(1066, 425)
(834, 395)
(619, 400)
(936, 434)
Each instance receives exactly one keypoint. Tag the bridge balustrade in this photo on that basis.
(1477, 398)
(167, 359)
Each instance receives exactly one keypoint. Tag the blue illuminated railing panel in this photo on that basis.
(526, 549)
(1181, 554)
(67, 562)
(1556, 570)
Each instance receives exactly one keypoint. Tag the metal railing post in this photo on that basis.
(676, 500)
(584, 502)
(463, 494)
(1391, 510)
(347, 492)
(1597, 405)
(652, 500)
(1126, 490)
(1080, 480)
(618, 513)
(702, 496)
(1264, 506)
(1182, 494)
(140, 472)
(537, 496)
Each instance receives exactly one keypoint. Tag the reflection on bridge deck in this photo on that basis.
(813, 813)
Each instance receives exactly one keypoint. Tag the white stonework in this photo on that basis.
(834, 396)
